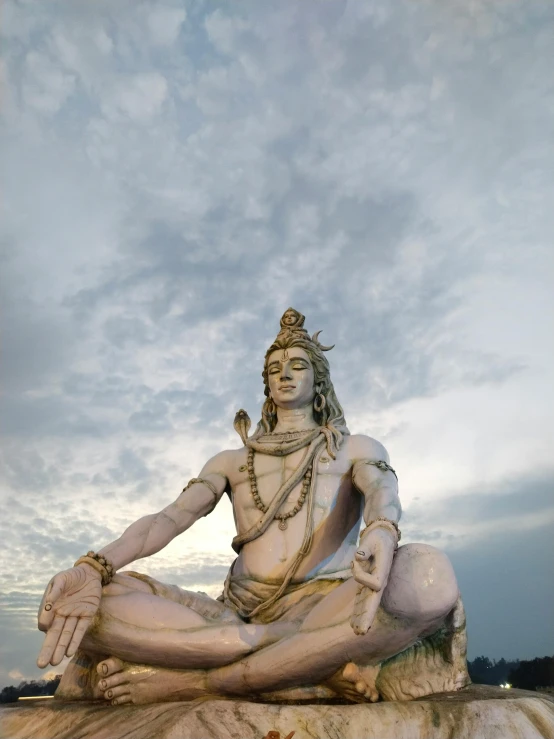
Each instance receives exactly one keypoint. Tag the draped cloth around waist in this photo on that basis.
(245, 596)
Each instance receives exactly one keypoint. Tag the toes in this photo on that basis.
(109, 666)
(372, 695)
(117, 692)
(112, 680)
(122, 699)
(361, 687)
(350, 672)
(354, 696)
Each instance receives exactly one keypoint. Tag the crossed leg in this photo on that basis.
(136, 624)
(422, 590)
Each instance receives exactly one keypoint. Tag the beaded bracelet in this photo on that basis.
(101, 564)
(382, 522)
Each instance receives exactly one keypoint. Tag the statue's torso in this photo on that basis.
(337, 514)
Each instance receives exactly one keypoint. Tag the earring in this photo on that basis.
(319, 403)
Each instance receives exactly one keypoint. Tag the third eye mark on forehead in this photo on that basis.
(278, 362)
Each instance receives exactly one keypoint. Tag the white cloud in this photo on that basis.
(138, 97)
(223, 30)
(165, 24)
(103, 42)
(45, 87)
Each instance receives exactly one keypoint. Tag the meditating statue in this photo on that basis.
(311, 609)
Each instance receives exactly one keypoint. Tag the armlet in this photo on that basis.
(211, 487)
(383, 466)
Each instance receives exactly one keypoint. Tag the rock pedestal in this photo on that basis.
(476, 712)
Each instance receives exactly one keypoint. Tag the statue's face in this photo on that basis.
(291, 378)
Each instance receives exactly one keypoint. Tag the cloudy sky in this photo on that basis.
(176, 174)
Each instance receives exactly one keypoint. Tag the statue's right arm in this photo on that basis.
(72, 597)
(152, 533)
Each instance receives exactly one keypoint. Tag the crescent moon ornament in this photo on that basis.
(316, 341)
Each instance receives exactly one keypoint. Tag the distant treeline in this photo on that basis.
(29, 688)
(525, 674)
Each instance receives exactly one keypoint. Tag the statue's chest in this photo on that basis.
(270, 473)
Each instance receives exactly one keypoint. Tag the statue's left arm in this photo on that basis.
(376, 480)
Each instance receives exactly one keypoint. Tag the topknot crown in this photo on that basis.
(292, 323)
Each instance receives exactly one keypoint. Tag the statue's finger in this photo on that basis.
(357, 627)
(368, 579)
(370, 610)
(358, 608)
(358, 611)
(45, 615)
(355, 623)
(78, 634)
(57, 588)
(359, 601)
(47, 610)
(364, 620)
(381, 566)
(64, 640)
(50, 641)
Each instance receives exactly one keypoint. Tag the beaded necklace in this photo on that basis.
(281, 517)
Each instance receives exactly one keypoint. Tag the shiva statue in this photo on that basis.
(311, 609)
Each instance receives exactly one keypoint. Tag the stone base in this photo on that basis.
(475, 712)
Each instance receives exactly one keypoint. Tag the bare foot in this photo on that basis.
(122, 682)
(356, 683)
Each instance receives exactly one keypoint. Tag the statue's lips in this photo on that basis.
(287, 387)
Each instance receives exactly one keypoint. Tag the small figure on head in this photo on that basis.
(292, 319)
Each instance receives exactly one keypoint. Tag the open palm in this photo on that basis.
(68, 606)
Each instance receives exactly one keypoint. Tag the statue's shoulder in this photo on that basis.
(231, 455)
(225, 461)
(360, 446)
